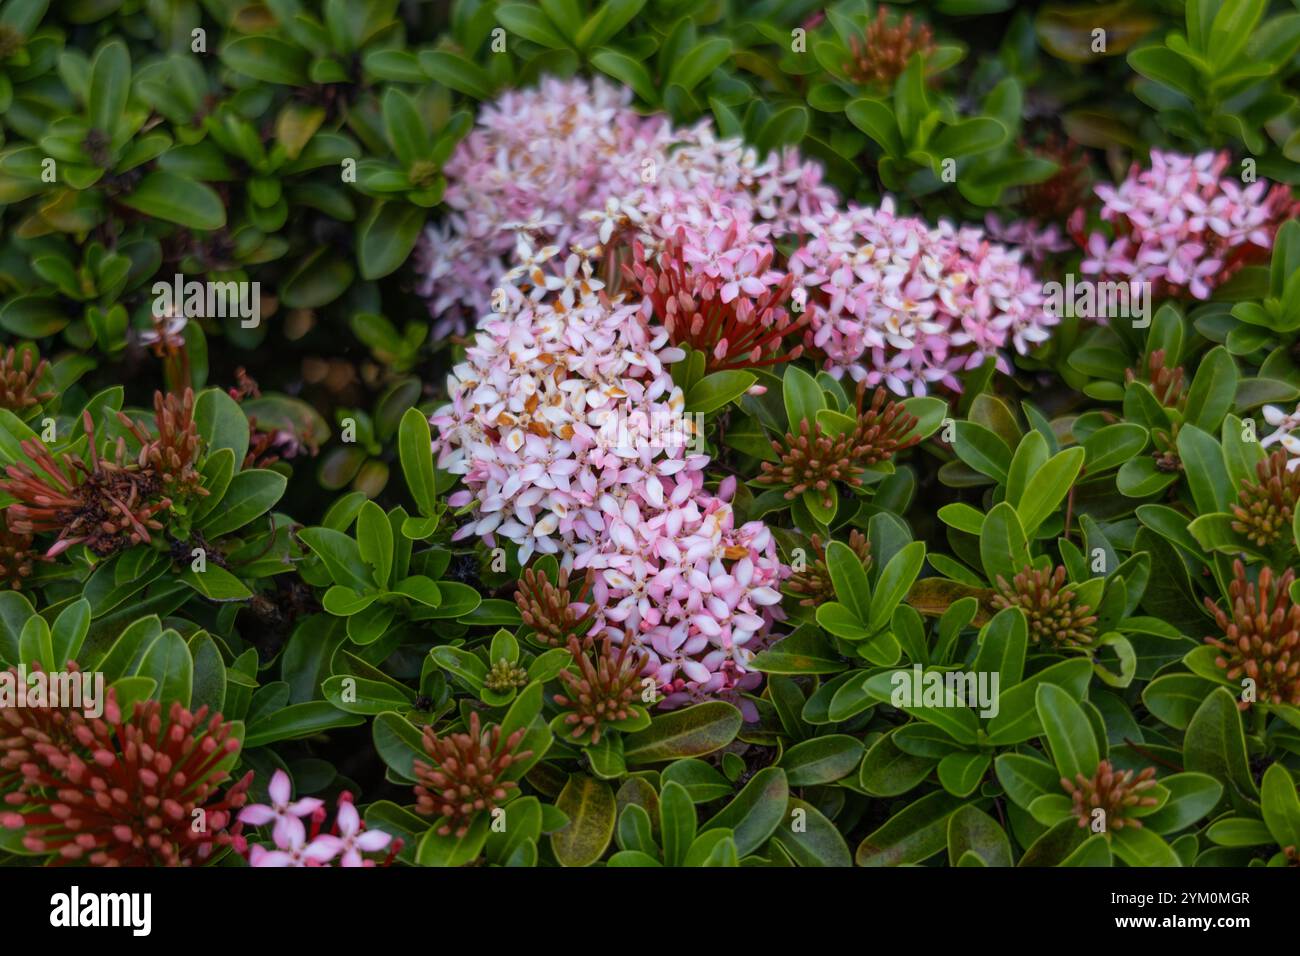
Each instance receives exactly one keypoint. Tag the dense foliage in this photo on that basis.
(650, 432)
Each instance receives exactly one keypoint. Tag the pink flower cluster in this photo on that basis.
(892, 299)
(1182, 225)
(562, 404)
(699, 175)
(569, 435)
(536, 161)
(294, 846)
(695, 591)
(569, 163)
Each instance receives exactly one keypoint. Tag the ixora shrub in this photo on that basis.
(649, 433)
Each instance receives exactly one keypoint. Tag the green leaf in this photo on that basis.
(876, 119)
(821, 760)
(216, 583)
(267, 58)
(1017, 716)
(386, 237)
(168, 662)
(786, 127)
(1113, 445)
(802, 396)
(676, 822)
(1207, 475)
(805, 651)
(453, 850)
(173, 198)
(982, 449)
(896, 579)
(897, 689)
(589, 804)
(457, 73)
(888, 771)
(357, 695)
(704, 58)
(69, 631)
(109, 87)
(249, 495)
(1191, 797)
(1030, 455)
(529, 23)
(961, 773)
(840, 620)
(1142, 847)
(971, 830)
(209, 684)
(415, 446)
(689, 732)
(398, 742)
(221, 424)
(628, 72)
(718, 390)
(1074, 748)
(297, 721)
(976, 134)
(1281, 805)
(849, 578)
(1212, 391)
(404, 127)
(375, 542)
(810, 838)
(1231, 28)
(339, 554)
(1004, 549)
(912, 835)
(1215, 744)
(1175, 698)
(700, 779)
(756, 812)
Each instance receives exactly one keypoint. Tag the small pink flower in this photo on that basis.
(282, 810)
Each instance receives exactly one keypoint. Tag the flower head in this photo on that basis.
(1266, 507)
(605, 688)
(1261, 635)
(121, 790)
(563, 403)
(879, 57)
(107, 503)
(718, 294)
(554, 611)
(20, 376)
(697, 592)
(173, 455)
(1182, 225)
(535, 162)
(465, 774)
(285, 812)
(1117, 793)
(814, 459)
(1056, 616)
(896, 302)
(293, 845)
